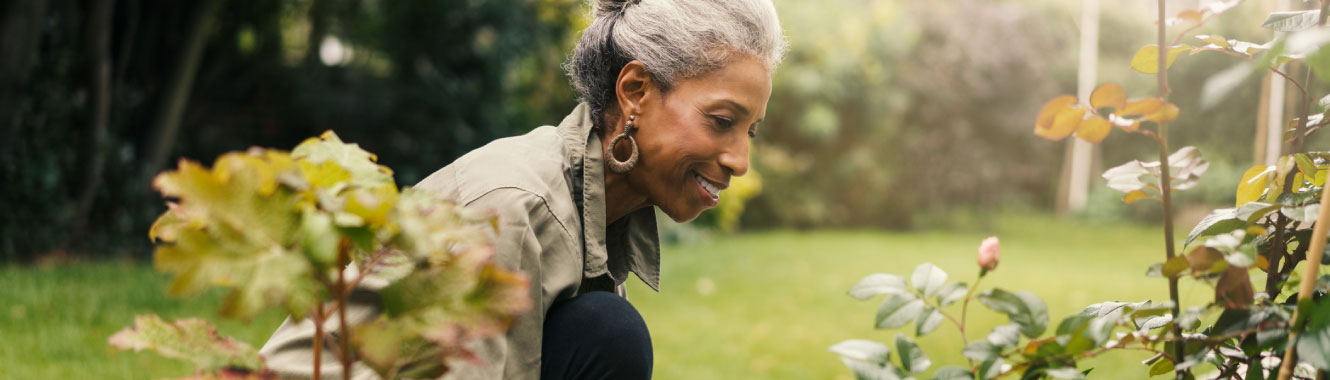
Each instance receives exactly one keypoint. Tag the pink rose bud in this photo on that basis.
(988, 254)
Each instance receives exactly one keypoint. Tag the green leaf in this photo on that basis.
(1065, 373)
(981, 350)
(878, 283)
(239, 228)
(951, 293)
(952, 372)
(863, 350)
(1163, 366)
(1291, 21)
(928, 321)
(359, 163)
(1025, 309)
(990, 369)
(928, 278)
(1004, 337)
(897, 310)
(1314, 343)
(1146, 59)
(1218, 222)
(912, 357)
(869, 371)
(1174, 266)
(193, 340)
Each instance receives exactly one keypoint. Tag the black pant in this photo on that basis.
(597, 335)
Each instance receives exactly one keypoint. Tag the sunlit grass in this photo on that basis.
(767, 305)
(755, 306)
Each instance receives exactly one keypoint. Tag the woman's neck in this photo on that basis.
(621, 198)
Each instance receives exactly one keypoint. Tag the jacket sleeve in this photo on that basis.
(524, 220)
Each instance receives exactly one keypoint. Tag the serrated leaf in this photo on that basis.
(193, 340)
(928, 278)
(1291, 21)
(928, 321)
(912, 357)
(863, 350)
(876, 284)
(361, 165)
(897, 310)
(1219, 221)
(951, 293)
(1025, 309)
(1146, 59)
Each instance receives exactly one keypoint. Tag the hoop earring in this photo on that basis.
(625, 166)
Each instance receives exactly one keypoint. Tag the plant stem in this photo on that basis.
(1307, 99)
(1306, 288)
(344, 258)
(1166, 185)
(318, 342)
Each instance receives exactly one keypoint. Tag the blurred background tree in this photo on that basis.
(886, 113)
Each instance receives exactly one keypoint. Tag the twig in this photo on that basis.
(1200, 23)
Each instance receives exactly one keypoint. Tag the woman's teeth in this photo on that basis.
(711, 189)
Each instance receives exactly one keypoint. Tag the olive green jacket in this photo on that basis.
(548, 189)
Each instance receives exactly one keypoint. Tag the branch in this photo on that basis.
(1200, 23)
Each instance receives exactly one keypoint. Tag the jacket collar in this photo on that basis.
(631, 243)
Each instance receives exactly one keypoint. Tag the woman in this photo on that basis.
(672, 92)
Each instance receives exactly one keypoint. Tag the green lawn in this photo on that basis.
(759, 305)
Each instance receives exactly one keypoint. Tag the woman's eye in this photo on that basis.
(723, 122)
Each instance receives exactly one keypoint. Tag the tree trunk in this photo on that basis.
(20, 36)
(99, 54)
(167, 123)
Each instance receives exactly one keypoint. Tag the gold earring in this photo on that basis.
(625, 166)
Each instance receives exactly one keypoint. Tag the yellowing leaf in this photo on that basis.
(1319, 180)
(1050, 110)
(1234, 289)
(329, 148)
(1141, 107)
(1305, 164)
(1193, 15)
(193, 339)
(1108, 95)
(1135, 195)
(1174, 266)
(1214, 39)
(1146, 59)
(1094, 129)
(1167, 112)
(1253, 184)
(1063, 124)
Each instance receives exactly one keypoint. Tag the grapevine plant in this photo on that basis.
(299, 230)
(1280, 330)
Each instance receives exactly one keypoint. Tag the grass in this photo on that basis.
(759, 305)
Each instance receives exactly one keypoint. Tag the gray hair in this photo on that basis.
(674, 39)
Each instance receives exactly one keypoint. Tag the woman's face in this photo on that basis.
(695, 137)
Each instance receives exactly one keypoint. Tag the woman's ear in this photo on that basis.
(632, 87)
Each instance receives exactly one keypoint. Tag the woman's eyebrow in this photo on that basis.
(737, 107)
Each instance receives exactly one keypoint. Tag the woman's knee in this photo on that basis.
(598, 332)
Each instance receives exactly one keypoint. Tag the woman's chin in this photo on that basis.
(683, 216)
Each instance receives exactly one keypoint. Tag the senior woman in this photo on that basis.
(672, 92)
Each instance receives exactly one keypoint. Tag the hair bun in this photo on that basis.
(605, 7)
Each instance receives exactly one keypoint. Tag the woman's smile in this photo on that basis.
(709, 191)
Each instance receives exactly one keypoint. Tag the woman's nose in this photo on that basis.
(735, 159)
